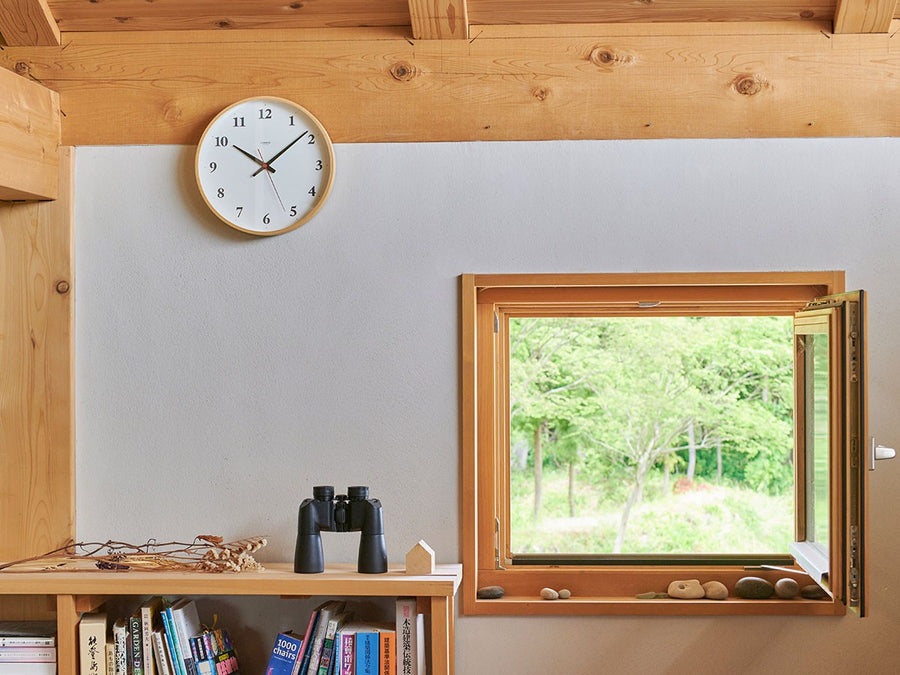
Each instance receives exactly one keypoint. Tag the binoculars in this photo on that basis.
(353, 512)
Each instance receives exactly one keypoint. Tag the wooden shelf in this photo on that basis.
(84, 590)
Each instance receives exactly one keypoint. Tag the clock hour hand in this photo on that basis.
(280, 153)
(262, 164)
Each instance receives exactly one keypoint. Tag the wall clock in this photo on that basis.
(265, 165)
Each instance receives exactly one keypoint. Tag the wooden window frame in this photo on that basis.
(596, 589)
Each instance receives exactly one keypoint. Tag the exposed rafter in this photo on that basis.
(439, 19)
(864, 16)
(29, 139)
(27, 23)
(726, 80)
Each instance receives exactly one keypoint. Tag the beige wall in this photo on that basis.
(219, 377)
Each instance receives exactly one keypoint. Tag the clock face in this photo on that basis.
(265, 165)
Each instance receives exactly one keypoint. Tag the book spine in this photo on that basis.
(30, 654)
(387, 664)
(159, 652)
(366, 653)
(406, 637)
(147, 611)
(172, 640)
(136, 653)
(347, 650)
(92, 644)
(26, 641)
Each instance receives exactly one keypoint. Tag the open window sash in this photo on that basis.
(830, 432)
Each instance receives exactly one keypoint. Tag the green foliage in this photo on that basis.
(622, 398)
(708, 519)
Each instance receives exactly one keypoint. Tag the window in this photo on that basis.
(509, 325)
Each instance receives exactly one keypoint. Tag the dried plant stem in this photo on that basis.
(207, 553)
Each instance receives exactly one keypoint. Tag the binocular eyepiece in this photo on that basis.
(353, 512)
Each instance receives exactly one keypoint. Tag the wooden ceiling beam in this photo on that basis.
(29, 139)
(439, 19)
(28, 23)
(225, 15)
(864, 16)
(788, 79)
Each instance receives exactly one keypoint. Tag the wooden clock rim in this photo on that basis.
(325, 192)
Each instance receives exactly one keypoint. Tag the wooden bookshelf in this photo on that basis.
(85, 591)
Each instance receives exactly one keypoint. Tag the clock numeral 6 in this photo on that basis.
(266, 219)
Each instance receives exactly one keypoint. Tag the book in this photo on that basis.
(186, 622)
(366, 656)
(286, 654)
(307, 641)
(135, 645)
(160, 653)
(226, 663)
(149, 612)
(410, 638)
(325, 662)
(387, 653)
(28, 668)
(27, 633)
(344, 650)
(325, 612)
(92, 644)
(120, 647)
(172, 642)
(26, 654)
(110, 657)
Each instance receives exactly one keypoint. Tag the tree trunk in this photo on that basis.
(719, 461)
(633, 498)
(538, 468)
(692, 452)
(572, 489)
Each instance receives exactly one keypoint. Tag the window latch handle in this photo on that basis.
(879, 452)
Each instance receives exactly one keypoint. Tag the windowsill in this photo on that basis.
(521, 605)
(612, 590)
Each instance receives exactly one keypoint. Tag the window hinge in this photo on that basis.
(497, 565)
(496, 322)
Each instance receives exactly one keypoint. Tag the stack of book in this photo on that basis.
(334, 643)
(27, 648)
(158, 638)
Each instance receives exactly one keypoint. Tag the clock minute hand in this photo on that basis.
(262, 164)
(280, 153)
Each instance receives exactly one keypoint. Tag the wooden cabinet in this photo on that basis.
(84, 591)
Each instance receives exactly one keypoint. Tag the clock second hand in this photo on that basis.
(271, 180)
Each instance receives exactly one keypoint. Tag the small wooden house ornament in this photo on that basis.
(420, 559)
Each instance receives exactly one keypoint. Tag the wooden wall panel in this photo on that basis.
(37, 453)
(28, 22)
(506, 83)
(29, 138)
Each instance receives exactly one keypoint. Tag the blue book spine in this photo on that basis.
(366, 653)
(172, 641)
(287, 650)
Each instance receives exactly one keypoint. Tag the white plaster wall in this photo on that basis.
(220, 376)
